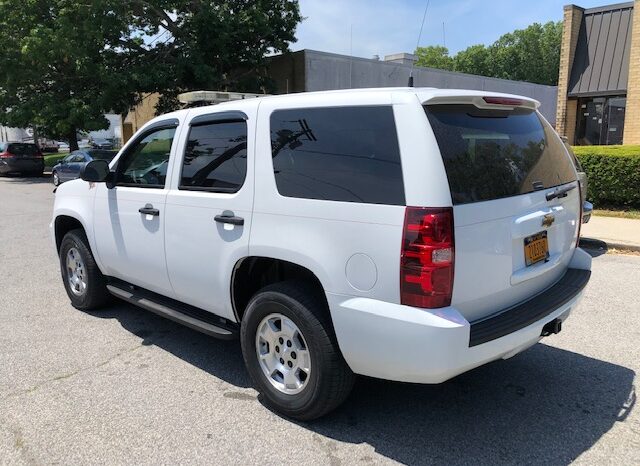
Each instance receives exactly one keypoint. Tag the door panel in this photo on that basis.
(131, 242)
(216, 179)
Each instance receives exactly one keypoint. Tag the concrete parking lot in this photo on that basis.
(122, 386)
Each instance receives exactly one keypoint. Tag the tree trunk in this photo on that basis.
(72, 138)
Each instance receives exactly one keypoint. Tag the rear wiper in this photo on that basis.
(560, 192)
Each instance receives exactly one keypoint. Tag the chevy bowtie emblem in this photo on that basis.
(547, 220)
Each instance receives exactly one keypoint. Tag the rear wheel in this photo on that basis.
(84, 283)
(291, 352)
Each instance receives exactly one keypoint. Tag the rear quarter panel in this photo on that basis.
(353, 248)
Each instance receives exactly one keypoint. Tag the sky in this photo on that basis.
(383, 27)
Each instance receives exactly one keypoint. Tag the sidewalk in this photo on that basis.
(618, 233)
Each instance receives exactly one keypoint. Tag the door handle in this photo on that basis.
(149, 210)
(231, 219)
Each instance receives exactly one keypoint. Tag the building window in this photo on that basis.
(600, 121)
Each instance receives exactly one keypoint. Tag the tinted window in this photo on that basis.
(215, 158)
(107, 155)
(23, 149)
(340, 154)
(145, 163)
(77, 157)
(491, 154)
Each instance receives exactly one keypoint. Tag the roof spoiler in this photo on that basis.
(485, 101)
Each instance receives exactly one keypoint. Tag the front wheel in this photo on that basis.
(83, 281)
(291, 352)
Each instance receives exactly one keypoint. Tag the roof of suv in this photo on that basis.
(424, 94)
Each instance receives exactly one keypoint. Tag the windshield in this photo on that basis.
(492, 154)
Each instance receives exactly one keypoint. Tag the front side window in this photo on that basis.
(145, 163)
(345, 154)
(215, 157)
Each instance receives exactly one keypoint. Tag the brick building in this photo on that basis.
(599, 81)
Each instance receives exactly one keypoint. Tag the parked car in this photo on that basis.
(63, 146)
(69, 167)
(587, 207)
(21, 157)
(101, 144)
(405, 234)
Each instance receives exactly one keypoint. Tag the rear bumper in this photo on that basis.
(403, 343)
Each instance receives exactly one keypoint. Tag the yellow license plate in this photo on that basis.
(536, 248)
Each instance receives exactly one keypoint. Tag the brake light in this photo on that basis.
(6, 155)
(427, 257)
(39, 155)
(503, 101)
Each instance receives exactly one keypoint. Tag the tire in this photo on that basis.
(55, 178)
(94, 294)
(329, 381)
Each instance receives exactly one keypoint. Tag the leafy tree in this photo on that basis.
(65, 63)
(62, 65)
(531, 54)
(218, 45)
(434, 56)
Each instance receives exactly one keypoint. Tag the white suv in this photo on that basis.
(406, 234)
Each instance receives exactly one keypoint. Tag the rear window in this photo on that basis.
(22, 149)
(492, 154)
(347, 154)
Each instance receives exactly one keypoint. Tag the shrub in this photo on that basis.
(613, 173)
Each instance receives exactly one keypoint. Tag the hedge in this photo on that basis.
(613, 173)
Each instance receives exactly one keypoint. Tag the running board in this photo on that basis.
(192, 317)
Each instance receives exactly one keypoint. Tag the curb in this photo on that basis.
(593, 243)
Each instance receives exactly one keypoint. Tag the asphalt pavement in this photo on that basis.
(123, 386)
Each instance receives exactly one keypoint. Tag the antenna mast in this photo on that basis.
(424, 16)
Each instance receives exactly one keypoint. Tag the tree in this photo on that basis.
(218, 45)
(65, 63)
(62, 65)
(434, 56)
(531, 54)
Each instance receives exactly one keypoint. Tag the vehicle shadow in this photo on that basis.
(594, 247)
(546, 405)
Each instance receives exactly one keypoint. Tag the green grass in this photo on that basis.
(52, 159)
(618, 213)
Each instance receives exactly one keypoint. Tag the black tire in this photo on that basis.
(330, 380)
(95, 295)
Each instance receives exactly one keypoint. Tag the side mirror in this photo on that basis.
(95, 171)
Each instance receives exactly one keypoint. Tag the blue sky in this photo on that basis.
(383, 27)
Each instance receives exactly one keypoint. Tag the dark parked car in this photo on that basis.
(21, 157)
(101, 144)
(69, 167)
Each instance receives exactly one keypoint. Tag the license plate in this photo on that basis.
(536, 248)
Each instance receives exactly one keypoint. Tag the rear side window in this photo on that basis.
(23, 149)
(215, 158)
(337, 153)
(492, 154)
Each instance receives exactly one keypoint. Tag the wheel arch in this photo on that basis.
(253, 273)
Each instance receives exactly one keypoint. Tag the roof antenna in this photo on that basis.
(424, 16)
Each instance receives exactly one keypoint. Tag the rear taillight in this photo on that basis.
(5, 155)
(427, 257)
(39, 155)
